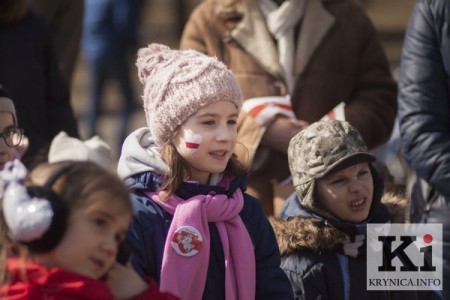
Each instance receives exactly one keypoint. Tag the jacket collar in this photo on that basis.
(252, 34)
(152, 181)
(311, 33)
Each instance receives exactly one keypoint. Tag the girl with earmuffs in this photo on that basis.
(64, 223)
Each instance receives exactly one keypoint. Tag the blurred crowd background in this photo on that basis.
(162, 21)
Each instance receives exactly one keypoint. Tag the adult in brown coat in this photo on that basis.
(336, 57)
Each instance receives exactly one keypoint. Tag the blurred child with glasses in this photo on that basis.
(13, 143)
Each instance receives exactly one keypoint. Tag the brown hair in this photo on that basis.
(75, 188)
(82, 180)
(178, 169)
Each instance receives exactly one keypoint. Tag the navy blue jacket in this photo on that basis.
(151, 223)
(424, 114)
(424, 94)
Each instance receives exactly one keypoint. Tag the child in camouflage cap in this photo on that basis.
(322, 232)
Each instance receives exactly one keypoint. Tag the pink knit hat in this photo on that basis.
(177, 83)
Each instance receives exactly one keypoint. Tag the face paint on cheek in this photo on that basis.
(192, 140)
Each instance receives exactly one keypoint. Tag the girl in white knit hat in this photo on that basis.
(195, 230)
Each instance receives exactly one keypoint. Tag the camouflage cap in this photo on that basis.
(320, 148)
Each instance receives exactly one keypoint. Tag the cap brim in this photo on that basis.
(350, 160)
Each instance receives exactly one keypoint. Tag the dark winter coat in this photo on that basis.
(65, 19)
(424, 114)
(29, 70)
(424, 97)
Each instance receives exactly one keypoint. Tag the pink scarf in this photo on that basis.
(187, 247)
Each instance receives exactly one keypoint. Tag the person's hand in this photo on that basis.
(124, 282)
(280, 131)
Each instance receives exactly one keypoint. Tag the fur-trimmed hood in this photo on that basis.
(313, 233)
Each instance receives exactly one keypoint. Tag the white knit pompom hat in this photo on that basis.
(177, 83)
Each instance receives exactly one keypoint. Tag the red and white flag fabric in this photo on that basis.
(264, 109)
(337, 113)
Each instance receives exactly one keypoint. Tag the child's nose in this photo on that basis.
(109, 246)
(355, 186)
(224, 134)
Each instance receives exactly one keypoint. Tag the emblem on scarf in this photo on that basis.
(187, 241)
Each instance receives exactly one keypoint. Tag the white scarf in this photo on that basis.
(281, 22)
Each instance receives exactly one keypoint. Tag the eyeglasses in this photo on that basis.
(12, 136)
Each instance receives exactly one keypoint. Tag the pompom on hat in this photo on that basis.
(177, 83)
(6, 103)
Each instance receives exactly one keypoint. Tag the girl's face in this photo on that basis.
(92, 238)
(347, 193)
(207, 139)
(6, 152)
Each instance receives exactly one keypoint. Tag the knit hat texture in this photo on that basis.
(177, 83)
(6, 103)
(323, 147)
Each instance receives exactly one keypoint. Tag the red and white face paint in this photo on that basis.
(192, 140)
